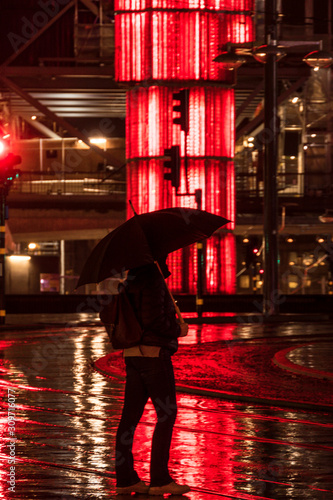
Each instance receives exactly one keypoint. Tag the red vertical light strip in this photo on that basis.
(230, 176)
(212, 269)
(155, 21)
(229, 270)
(204, 44)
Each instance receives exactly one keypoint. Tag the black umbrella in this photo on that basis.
(145, 238)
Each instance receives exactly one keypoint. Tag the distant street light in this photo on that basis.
(261, 53)
(319, 59)
(229, 59)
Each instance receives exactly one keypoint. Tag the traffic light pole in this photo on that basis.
(200, 262)
(271, 288)
(181, 107)
(200, 255)
(7, 176)
(2, 254)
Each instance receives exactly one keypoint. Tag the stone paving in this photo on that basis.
(59, 418)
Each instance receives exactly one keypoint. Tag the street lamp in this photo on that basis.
(229, 59)
(261, 53)
(319, 59)
(268, 54)
(271, 282)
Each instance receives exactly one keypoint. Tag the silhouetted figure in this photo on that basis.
(149, 374)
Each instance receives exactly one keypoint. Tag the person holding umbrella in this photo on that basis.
(149, 374)
(141, 245)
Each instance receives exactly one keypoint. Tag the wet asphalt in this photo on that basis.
(59, 417)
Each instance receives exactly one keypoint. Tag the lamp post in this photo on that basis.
(268, 54)
(271, 284)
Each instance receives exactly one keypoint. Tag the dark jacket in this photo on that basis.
(153, 306)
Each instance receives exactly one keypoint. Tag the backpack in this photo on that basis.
(120, 321)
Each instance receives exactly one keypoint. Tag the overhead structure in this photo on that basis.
(162, 48)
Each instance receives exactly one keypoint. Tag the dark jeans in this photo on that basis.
(147, 378)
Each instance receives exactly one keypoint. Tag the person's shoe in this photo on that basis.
(140, 487)
(172, 488)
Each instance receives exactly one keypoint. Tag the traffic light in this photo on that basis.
(7, 171)
(4, 145)
(182, 107)
(173, 165)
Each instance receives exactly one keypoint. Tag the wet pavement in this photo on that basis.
(59, 415)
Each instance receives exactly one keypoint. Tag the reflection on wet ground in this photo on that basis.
(59, 418)
(317, 356)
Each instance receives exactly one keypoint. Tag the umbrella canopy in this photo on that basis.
(145, 238)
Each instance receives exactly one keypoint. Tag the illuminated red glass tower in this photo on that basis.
(163, 46)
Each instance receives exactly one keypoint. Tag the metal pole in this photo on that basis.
(2, 254)
(270, 289)
(62, 283)
(200, 262)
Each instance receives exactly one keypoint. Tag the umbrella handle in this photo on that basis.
(131, 204)
(179, 314)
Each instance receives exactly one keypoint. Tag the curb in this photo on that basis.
(259, 318)
(101, 366)
(281, 360)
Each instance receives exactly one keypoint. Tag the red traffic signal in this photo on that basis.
(7, 171)
(182, 107)
(173, 165)
(3, 146)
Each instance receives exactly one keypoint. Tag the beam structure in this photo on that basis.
(61, 122)
(260, 118)
(58, 71)
(249, 99)
(39, 33)
(91, 6)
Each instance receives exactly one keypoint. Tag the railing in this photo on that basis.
(247, 184)
(83, 183)
(94, 40)
(293, 184)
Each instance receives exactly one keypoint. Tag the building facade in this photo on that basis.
(64, 104)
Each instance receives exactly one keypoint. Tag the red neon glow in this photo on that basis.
(221, 278)
(3, 147)
(155, 41)
(210, 147)
(156, 44)
(220, 5)
(150, 129)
